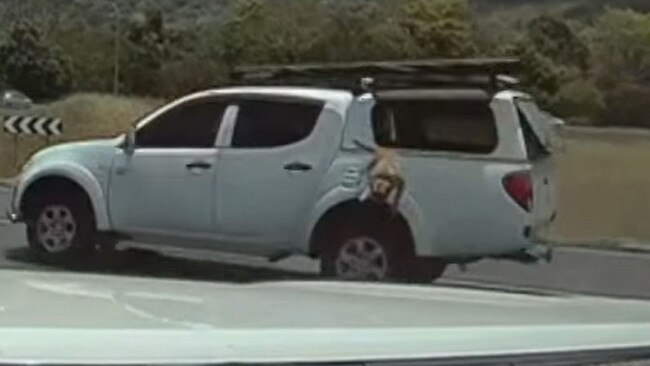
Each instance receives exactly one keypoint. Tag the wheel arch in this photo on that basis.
(76, 178)
(353, 209)
(340, 197)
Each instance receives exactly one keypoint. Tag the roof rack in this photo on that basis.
(361, 77)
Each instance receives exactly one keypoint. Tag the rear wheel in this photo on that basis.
(61, 225)
(380, 250)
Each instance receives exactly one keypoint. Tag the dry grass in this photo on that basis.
(603, 176)
(84, 116)
(604, 185)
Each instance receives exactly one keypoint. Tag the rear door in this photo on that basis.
(269, 173)
(538, 137)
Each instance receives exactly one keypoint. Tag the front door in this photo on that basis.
(162, 188)
(269, 175)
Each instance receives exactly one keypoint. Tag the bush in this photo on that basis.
(97, 115)
(186, 76)
(627, 105)
(579, 99)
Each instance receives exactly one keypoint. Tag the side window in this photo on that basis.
(191, 125)
(466, 126)
(274, 123)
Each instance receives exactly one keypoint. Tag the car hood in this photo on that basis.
(72, 148)
(80, 318)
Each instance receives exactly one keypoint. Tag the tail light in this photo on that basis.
(519, 187)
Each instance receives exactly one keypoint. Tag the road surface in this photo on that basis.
(572, 270)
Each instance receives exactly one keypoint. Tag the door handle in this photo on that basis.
(198, 165)
(298, 167)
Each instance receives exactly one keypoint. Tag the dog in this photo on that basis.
(385, 179)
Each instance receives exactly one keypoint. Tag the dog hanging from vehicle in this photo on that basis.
(385, 178)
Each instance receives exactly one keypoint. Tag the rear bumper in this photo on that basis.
(537, 233)
(536, 250)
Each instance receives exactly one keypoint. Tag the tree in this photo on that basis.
(272, 32)
(356, 31)
(553, 38)
(237, 34)
(621, 44)
(287, 31)
(91, 53)
(539, 74)
(627, 105)
(580, 98)
(440, 28)
(30, 64)
(149, 45)
(554, 56)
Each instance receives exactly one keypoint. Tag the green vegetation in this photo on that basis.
(30, 65)
(586, 60)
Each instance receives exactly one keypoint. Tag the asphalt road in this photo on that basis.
(572, 270)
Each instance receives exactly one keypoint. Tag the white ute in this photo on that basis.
(275, 170)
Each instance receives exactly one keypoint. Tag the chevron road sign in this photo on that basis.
(28, 125)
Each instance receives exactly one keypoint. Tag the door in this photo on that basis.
(269, 175)
(163, 187)
(537, 131)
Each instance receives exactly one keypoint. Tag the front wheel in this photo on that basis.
(61, 225)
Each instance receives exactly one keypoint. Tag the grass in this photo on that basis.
(604, 186)
(84, 116)
(603, 175)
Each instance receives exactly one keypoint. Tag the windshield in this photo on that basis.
(474, 170)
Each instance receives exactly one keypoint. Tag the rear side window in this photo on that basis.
(263, 124)
(457, 125)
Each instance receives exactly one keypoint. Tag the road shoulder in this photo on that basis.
(608, 245)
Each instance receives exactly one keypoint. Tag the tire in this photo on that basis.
(427, 270)
(61, 226)
(379, 250)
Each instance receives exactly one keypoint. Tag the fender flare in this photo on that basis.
(78, 175)
(337, 196)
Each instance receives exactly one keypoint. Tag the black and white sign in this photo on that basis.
(28, 125)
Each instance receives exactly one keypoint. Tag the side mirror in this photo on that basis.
(128, 144)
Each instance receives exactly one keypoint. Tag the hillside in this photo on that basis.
(189, 12)
(100, 12)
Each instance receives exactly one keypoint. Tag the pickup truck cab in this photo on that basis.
(274, 171)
